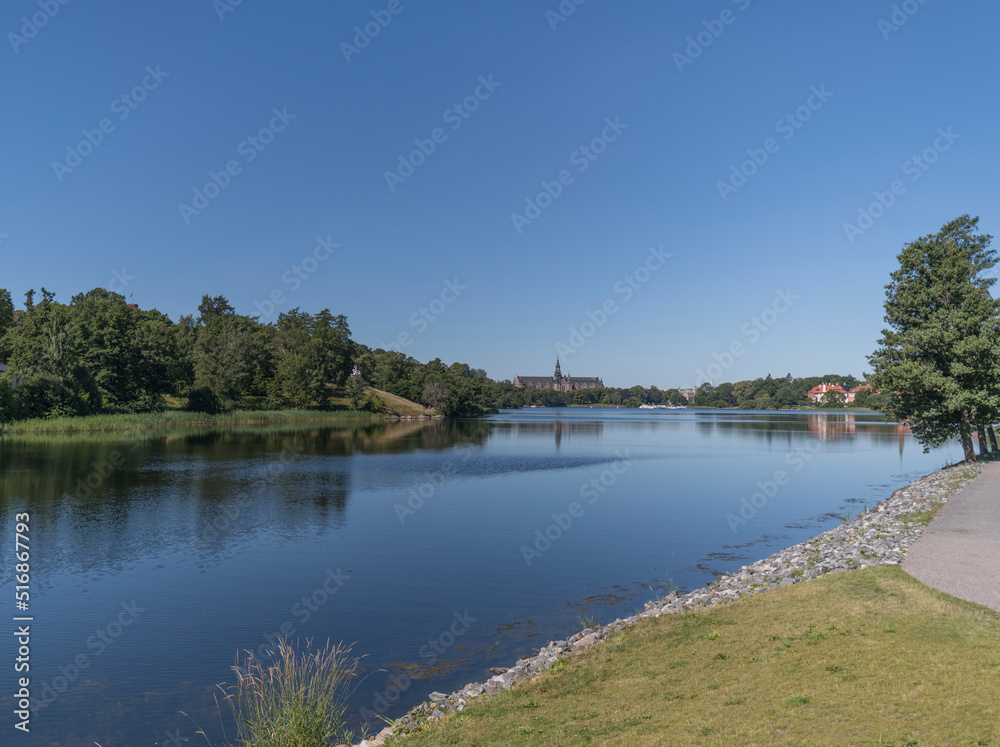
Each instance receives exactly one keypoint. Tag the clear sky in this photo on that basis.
(321, 127)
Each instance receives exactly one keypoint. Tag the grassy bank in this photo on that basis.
(868, 657)
(177, 417)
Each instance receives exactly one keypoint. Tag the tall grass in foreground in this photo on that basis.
(295, 700)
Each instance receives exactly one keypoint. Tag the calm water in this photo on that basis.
(155, 558)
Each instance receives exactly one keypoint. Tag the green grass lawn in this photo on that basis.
(868, 657)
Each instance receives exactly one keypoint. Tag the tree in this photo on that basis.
(6, 312)
(937, 361)
(231, 359)
(435, 396)
(745, 392)
(704, 395)
(210, 307)
(834, 398)
(44, 361)
(861, 397)
(724, 395)
(126, 351)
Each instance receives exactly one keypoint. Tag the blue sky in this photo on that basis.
(762, 267)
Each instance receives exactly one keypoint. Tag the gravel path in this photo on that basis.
(959, 552)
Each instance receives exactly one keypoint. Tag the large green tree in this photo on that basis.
(6, 313)
(937, 360)
(45, 364)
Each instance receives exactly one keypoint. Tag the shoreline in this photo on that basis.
(153, 420)
(879, 536)
(123, 422)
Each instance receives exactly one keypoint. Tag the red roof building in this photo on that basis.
(817, 393)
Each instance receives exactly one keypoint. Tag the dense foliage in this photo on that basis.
(99, 354)
(784, 393)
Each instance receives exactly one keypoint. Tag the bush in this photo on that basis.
(46, 395)
(203, 400)
(8, 406)
(294, 701)
(144, 402)
(374, 403)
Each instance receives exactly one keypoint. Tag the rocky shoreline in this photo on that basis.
(880, 536)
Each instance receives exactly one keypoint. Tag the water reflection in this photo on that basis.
(558, 429)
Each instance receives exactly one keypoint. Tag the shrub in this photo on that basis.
(294, 701)
(203, 400)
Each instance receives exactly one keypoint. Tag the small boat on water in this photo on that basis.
(662, 407)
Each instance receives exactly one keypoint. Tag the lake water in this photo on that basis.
(439, 549)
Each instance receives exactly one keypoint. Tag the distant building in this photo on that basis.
(818, 393)
(855, 391)
(559, 382)
(689, 394)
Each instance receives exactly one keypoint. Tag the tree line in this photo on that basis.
(98, 353)
(937, 365)
(783, 393)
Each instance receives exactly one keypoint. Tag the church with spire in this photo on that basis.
(559, 382)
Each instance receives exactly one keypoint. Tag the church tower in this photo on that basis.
(558, 374)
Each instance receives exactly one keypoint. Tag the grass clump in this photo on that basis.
(295, 700)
